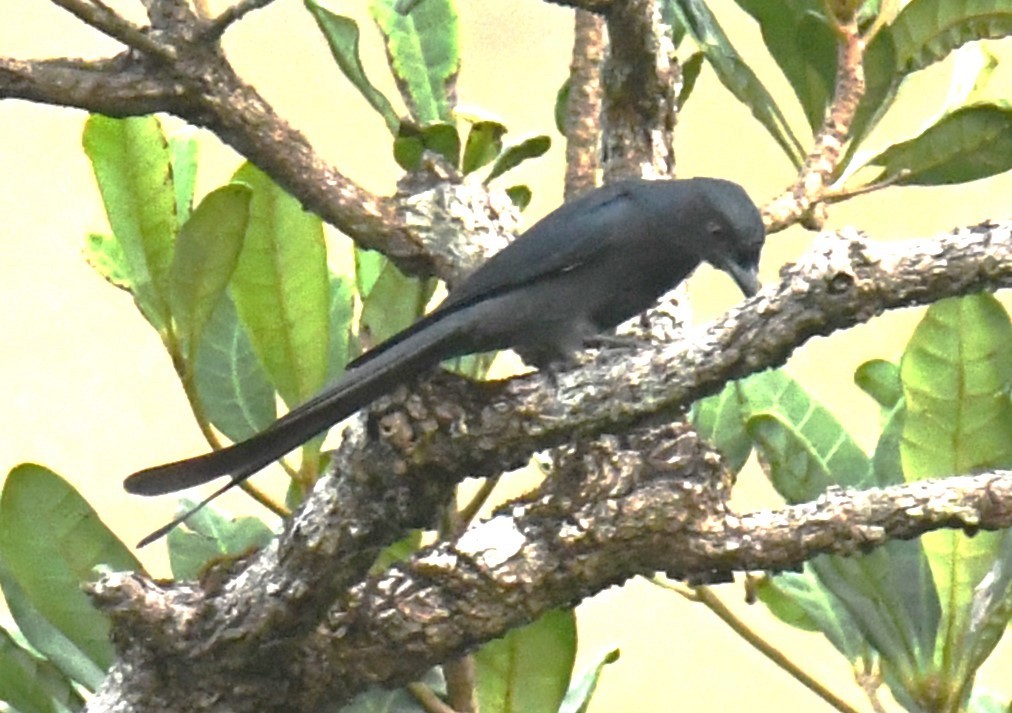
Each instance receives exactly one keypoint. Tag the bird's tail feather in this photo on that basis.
(429, 343)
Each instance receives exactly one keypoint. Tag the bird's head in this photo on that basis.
(731, 231)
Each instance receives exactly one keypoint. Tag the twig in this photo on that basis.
(231, 15)
(99, 16)
(706, 597)
(842, 194)
(428, 699)
(461, 684)
(822, 162)
(468, 512)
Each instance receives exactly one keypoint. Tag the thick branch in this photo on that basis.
(583, 108)
(661, 506)
(536, 556)
(843, 281)
(640, 78)
(116, 87)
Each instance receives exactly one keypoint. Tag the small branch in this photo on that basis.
(706, 597)
(470, 510)
(233, 14)
(822, 163)
(461, 684)
(427, 698)
(115, 87)
(103, 19)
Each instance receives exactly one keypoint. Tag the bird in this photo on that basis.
(580, 271)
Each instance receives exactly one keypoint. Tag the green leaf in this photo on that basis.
(281, 288)
(515, 154)
(392, 303)
(342, 313)
(971, 142)
(803, 44)
(807, 451)
(807, 455)
(342, 35)
(910, 569)
(721, 423)
(991, 608)
(562, 106)
(528, 670)
(105, 254)
(45, 638)
(886, 462)
(408, 150)
(889, 596)
(424, 55)
(397, 552)
(690, 73)
(956, 370)
(50, 542)
(735, 74)
(234, 390)
(520, 196)
(206, 255)
(880, 379)
(369, 265)
(443, 139)
(926, 31)
(582, 689)
(801, 600)
(208, 536)
(412, 141)
(184, 173)
(30, 684)
(132, 164)
(484, 143)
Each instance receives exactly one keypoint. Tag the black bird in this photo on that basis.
(583, 269)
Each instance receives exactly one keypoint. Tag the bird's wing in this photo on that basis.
(584, 230)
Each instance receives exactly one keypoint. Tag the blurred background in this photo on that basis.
(87, 390)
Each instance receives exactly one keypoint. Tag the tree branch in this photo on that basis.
(661, 506)
(102, 18)
(435, 226)
(822, 163)
(640, 105)
(233, 14)
(583, 107)
(644, 493)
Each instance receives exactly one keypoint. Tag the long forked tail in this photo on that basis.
(422, 346)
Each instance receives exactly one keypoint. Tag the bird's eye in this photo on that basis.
(714, 228)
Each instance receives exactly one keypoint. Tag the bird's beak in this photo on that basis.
(747, 278)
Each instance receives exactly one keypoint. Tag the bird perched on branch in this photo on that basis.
(580, 271)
